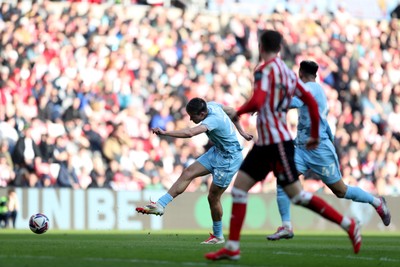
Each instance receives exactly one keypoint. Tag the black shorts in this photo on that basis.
(278, 158)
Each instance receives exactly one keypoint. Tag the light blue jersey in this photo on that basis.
(223, 160)
(221, 130)
(322, 160)
(304, 126)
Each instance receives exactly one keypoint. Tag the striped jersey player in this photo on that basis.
(274, 86)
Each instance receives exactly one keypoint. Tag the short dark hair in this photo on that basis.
(271, 41)
(196, 106)
(309, 67)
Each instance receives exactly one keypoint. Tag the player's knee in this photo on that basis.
(339, 192)
(303, 198)
(213, 198)
(187, 173)
(239, 195)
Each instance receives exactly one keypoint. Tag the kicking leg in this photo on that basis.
(188, 174)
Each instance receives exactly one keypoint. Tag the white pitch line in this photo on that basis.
(165, 262)
(152, 262)
(351, 257)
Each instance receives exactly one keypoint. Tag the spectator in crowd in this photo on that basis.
(91, 130)
(116, 143)
(67, 176)
(26, 150)
(161, 119)
(73, 111)
(7, 173)
(99, 181)
(60, 153)
(13, 205)
(4, 215)
(46, 147)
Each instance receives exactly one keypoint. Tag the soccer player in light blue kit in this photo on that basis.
(322, 161)
(222, 160)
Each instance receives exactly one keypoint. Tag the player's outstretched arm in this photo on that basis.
(183, 133)
(231, 112)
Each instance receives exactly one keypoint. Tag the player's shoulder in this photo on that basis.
(315, 87)
(260, 70)
(275, 64)
(213, 104)
(266, 64)
(214, 108)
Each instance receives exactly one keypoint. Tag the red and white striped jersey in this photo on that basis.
(274, 86)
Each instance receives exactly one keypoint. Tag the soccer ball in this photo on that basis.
(39, 223)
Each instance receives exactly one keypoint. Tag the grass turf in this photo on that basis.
(133, 248)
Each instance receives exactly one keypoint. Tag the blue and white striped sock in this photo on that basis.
(358, 195)
(165, 200)
(283, 205)
(217, 229)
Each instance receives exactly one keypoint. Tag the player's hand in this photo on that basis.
(247, 136)
(158, 131)
(312, 143)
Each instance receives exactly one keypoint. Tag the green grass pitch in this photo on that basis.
(182, 248)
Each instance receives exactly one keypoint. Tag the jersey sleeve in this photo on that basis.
(210, 124)
(312, 105)
(211, 121)
(261, 83)
(296, 103)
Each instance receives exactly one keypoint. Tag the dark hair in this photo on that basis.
(309, 67)
(271, 41)
(196, 106)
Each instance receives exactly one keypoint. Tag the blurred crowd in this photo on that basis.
(82, 85)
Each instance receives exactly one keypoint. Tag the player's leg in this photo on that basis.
(14, 217)
(320, 206)
(2, 219)
(188, 174)
(325, 163)
(285, 230)
(193, 171)
(250, 172)
(214, 200)
(341, 190)
(287, 177)
(284, 207)
(224, 168)
(240, 189)
(7, 219)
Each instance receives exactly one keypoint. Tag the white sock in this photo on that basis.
(232, 245)
(376, 202)
(287, 224)
(345, 224)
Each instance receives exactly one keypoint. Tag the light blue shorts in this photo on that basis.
(222, 166)
(322, 161)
